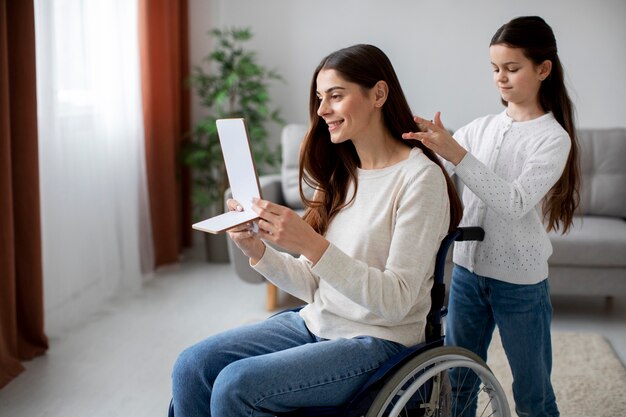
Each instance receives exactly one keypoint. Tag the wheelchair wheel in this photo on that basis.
(423, 387)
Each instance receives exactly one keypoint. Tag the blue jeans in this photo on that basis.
(522, 313)
(271, 367)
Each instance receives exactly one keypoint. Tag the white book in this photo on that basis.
(242, 176)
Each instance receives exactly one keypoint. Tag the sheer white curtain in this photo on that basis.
(95, 216)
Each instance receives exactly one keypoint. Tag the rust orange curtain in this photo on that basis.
(22, 334)
(163, 27)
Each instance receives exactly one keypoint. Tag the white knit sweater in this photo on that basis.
(375, 277)
(509, 168)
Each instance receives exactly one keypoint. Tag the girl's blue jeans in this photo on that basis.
(522, 313)
(270, 367)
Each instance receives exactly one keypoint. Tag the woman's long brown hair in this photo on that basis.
(330, 168)
(535, 38)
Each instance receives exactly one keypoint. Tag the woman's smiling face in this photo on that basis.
(345, 107)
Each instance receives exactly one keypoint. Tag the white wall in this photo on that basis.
(439, 48)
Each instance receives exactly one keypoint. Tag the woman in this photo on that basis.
(367, 240)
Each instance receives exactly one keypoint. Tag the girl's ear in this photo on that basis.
(381, 91)
(544, 69)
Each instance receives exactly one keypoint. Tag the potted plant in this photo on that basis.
(234, 85)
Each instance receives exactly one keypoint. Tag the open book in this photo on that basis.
(242, 176)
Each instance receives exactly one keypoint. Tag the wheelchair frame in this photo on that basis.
(420, 373)
(416, 382)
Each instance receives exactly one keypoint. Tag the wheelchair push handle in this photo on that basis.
(470, 233)
(460, 234)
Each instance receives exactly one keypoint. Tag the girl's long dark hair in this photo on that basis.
(535, 38)
(330, 168)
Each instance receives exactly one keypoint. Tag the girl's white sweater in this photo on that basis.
(508, 170)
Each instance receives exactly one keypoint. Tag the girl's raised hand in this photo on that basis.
(435, 137)
(284, 227)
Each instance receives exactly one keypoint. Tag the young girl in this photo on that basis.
(520, 170)
(367, 241)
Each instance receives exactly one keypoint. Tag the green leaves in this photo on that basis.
(233, 85)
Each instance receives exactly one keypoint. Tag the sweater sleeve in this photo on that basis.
(460, 138)
(422, 219)
(512, 200)
(290, 274)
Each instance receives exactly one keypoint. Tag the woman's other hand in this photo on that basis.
(435, 137)
(245, 237)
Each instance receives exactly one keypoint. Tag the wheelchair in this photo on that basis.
(421, 380)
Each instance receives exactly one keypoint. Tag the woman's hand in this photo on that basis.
(284, 227)
(245, 237)
(435, 137)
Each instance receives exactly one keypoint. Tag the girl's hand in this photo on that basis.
(435, 137)
(245, 237)
(284, 227)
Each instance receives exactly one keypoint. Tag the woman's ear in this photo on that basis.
(381, 91)
(544, 69)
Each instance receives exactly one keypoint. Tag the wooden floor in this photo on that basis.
(118, 361)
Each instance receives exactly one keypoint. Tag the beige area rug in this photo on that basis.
(588, 378)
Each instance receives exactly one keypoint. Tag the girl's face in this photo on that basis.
(346, 107)
(516, 76)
